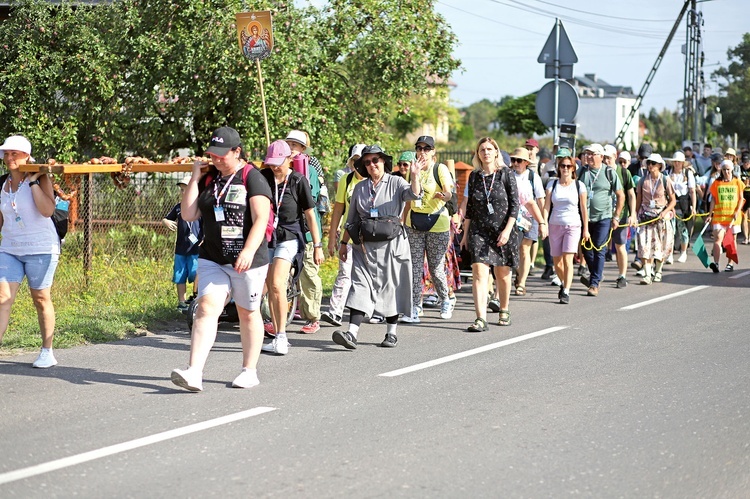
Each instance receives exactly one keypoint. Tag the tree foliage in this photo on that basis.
(151, 76)
(735, 87)
(518, 116)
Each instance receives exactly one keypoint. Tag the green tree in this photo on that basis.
(480, 115)
(734, 87)
(664, 130)
(518, 116)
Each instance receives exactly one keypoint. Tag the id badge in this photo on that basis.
(19, 222)
(219, 213)
(591, 194)
(490, 209)
(373, 213)
(192, 238)
(418, 203)
(231, 232)
(652, 204)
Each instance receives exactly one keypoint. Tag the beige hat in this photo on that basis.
(595, 148)
(678, 156)
(731, 151)
(521, 153)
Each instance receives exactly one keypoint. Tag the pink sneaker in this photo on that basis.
(310, 327)
(269, 329)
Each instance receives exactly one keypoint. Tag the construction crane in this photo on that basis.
(619, 141)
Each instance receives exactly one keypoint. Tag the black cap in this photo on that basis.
(373, 149)
(426, 139)
(645, 150)
(223, 140)
(716, 157)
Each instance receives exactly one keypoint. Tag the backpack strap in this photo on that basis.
(349, 177)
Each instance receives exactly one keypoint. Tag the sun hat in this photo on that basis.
(16, 143)
(520, 153)
(223, 140)
(373, 149)
(656, 158)
(731, 151)
(299, 137)
(407, 156)
(678, 156)
(277, 153)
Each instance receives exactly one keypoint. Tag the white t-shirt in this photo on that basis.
(682, 182)
(565, 203)
(25, 230)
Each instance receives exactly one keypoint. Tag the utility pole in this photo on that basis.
(693, 98)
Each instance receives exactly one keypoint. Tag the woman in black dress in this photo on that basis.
(490, 229)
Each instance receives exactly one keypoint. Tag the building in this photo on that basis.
(603, 109)
(439, 91)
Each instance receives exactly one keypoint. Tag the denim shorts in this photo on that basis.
(38, 269)
(246, 288)
(285, 250)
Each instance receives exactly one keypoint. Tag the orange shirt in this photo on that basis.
(727, 198)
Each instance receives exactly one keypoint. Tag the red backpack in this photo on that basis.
(271, 215)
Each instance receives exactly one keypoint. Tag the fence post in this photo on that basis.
(88, 235)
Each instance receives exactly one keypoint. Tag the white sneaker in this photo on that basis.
(248, 378)
(446, 309)
(670, 260)
(641, 273)
(556, 281)
(413, 318)
(683, 257)
(189, 379)
(46, 359)
(277, 346)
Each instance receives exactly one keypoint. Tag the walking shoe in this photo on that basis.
(413, 318)
(46, 359)
(593, 291)
(248, 378)
(564, 298)
(189, 379)
(560, 293)
(268, 329)
(669, 260)
(331, 318)
(446, 308)
(637, 265)
(657, 277)
(621, 282)
(182, 307)
(641, 273)
(683, 257)
(279, 346)
(297, 315)
(494, 305)
(310, 327)
(714, 267)
(377, 319)
(556, 281)
(548, 273)
(345, 339)
(585, 281)
(581, 270)
(389, 341)
(646, 280)
(729, 268)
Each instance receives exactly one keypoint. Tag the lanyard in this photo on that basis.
(373, 193)
(599, 171)
(484, 184)
(226, 186)
(280, 199)
(654, 186)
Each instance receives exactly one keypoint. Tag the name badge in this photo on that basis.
(19, 222)
(219, 213)
(373, 212)
(652, 204)
(231, 232)
(490, 209)
(192, 238)
(418, 203)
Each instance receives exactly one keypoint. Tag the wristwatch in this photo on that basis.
(318, 245)
(34, 182)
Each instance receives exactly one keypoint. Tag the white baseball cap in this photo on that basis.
(16, 143)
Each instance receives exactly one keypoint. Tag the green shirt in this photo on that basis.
(601, 187)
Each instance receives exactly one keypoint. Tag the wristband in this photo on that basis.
(344, 242)
(34, 182)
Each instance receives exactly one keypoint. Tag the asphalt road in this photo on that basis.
(653, 401)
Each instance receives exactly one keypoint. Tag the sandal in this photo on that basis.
(520, 291)
(504, 319)
(478, 326)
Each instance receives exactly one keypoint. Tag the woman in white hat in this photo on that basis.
(30, 246)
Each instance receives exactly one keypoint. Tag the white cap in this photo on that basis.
(16, 143)
(610, 150)
(297, 136)
(678, 156)
(356, 151)
(727, 163)
(595, 148)
(625, 155)
(656, 158)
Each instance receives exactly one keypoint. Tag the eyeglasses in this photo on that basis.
(516, 160)
(421, 148)
(403, 163)
(566, 165)
(373, 161)
(652, 163)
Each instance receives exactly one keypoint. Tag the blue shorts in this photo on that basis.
(620, 234)
(38, 269)
(185, 268)
(285, 250)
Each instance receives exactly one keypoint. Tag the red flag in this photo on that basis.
(730, 247)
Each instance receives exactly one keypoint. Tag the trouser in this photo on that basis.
(436, 245)
(312, 287)
(341, 285)
(599, 232)
(548, 262)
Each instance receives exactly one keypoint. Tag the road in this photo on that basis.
(652, 401)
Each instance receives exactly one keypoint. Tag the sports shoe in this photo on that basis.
(585, 281)
(548, 273)
(593, 291)
(279, 346)
(182, 306)
(345, 339)
(189, 379)
(331, 318)
(248, 378)
(581, 270)
(377, 319)
(669, 260)
(714, 267)
(621, 282)
(46, 359)
(556, 281)
(560, 293)
(494, 305)
(268, 329)
(641, 273)
(683, 257)
(310, 327)
(413, 318)
(646, 279)
(637, 264)
(564, 298)
(729, 268)
(446, 308)
(389, 341)
(656, 277)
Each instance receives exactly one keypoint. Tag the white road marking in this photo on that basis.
(665, 297)
(65, 462)
(474, 351)
(743, 274)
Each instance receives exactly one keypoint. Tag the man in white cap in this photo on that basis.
(628, 218)
(602, 184)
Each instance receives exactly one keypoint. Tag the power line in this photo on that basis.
(605, 15)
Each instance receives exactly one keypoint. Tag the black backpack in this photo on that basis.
(452, 204)
(59, 217)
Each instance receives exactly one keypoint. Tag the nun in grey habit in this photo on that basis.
(381, 270)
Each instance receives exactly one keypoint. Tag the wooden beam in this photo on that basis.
(116, 168)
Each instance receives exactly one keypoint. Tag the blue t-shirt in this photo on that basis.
(183, 245)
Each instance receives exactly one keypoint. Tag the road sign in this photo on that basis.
(562, 49)
(567, 103)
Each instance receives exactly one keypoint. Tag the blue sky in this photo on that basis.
(619, 41)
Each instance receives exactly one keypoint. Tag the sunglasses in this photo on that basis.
(566, 165)
(652, 163)
(425, 148)
(623, 162)
(516, 160)
(402, 164)
(369, 162)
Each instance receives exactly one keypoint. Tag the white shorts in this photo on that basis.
(736, 229)
(246, 288)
